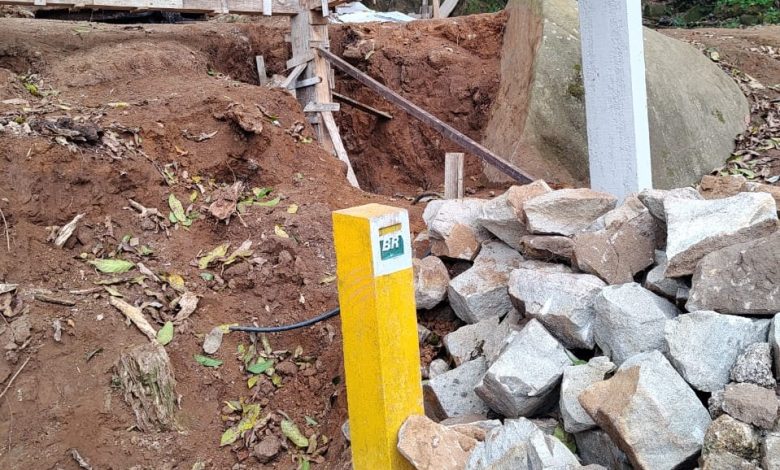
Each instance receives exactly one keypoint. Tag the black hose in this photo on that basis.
(294, 326)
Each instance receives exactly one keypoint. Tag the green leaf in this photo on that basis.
(112, 266)
(207, 361)
(165, 335)
(261, 192)
(260, 367)
(291, 431)
(207, 276)
(272, 203)
(230, 436)
(566, 438)
(217, 252)
(252, 381)
(304, 464)
(177, 209)
(310, 421)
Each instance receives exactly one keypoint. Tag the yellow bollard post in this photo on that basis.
(379, 326)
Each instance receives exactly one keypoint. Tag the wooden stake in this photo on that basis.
(453, 176)
(436, 9)
(338, 146)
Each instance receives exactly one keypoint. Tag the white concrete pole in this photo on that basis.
(613, 69)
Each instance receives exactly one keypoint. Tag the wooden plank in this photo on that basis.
(307, 82)
(453, 175)
(322, 69)
(447, 8)
(300, 59)
(436, 9)
(268, 9)
(317, 4)
(321, 107)
(287, 83)
(361, 106)
(338, 146)
(415, 111)
(244, 7)
(325, 8)
(262, 76)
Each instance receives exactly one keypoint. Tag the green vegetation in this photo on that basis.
(729, 13)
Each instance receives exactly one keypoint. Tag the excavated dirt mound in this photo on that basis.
(143, 97)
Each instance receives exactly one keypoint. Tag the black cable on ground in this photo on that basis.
(294, 326)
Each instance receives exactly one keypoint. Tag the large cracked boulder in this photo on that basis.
(650, 412)
(740, 279)
(538, 117)
(630, 320)
(696, 228)
(703, 346)
(522, 379)
(562, 302)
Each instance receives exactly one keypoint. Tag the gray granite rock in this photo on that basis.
(770, 452)
(430, 282)
(504, 217)
(550, 248)
(566, 211)
(656, 282)
(432, 446)
(437, 367)
(468, 342)
(562, 302)
(726, 461)
(525, 374)
(623, 248)
(654, 199)
(754, 365)
(453, 229)
(630, 320)
(703, 346)
(696, 228)
(751, 404)
(595, 447)
(521, 445)
(452, 394)
(740, 279)
(727, 434)
(575, 380)
(650, 410)
(774, 342)
(481, 292)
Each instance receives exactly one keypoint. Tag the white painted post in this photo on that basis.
(613, 66)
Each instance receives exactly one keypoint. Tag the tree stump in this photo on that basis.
(146, 378)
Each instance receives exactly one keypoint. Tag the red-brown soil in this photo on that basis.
(172, 80)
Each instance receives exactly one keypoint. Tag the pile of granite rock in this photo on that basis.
(638, 334)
